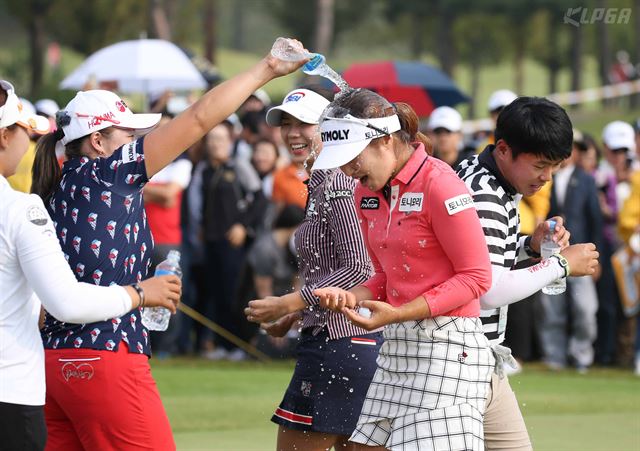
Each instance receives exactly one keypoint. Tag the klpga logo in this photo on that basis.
(585, 16)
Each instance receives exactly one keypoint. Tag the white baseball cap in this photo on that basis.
(47, 107)
(14, 112)
(303, 104)
(345, 138)
(445, 117)
(501, 99)
(91, 111)
(619, 135)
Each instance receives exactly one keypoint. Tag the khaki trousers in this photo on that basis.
(504, 426)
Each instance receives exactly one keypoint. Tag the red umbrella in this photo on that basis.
(420, 85)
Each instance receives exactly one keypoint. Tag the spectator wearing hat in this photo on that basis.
(619, 142)
(445, 131)
(21, 179)
(97, 204)
(34, 271)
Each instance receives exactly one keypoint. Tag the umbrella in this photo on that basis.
(148, 66)
(420, 85)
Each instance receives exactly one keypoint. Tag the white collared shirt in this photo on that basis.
(561, 182)
(31, 262)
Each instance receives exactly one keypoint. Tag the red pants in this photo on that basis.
(103, 400)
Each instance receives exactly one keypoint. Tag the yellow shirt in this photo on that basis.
(21, 180)
(629, 216)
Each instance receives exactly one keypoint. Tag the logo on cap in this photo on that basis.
(294, 96)
(121, 106)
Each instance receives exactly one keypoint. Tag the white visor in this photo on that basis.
(344, 138)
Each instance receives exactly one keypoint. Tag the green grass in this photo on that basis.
(227, 406)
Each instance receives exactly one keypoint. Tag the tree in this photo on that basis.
(479, 38)
(299, 17)
(31, 14)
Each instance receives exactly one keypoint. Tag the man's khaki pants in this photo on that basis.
(504, 426)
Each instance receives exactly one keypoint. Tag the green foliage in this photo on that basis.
(86, 26)
(299, 17)
(481, 38)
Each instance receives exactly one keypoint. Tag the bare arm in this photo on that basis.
(164, 144)
(163, 194)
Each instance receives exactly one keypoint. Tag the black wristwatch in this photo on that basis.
(528, 249)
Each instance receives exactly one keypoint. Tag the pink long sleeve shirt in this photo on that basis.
(424, 238)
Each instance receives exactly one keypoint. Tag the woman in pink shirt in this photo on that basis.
(431, 265)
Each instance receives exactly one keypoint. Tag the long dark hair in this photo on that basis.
(366, 104)
(46, 173)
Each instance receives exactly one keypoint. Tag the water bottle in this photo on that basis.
(157, 318)
(548, 247)
(289, 50)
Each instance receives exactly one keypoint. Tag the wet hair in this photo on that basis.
(290, 216)
(535, 126)
(365, 104)
(46, 173)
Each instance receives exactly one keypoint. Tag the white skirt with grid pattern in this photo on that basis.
(430, 387)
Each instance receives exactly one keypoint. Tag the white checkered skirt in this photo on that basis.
(429, 390)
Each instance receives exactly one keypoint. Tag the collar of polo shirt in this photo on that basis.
(343, 138)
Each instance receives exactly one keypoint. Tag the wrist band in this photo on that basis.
(140, 292)
(528, 249)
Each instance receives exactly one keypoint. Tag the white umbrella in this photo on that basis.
(148, 66)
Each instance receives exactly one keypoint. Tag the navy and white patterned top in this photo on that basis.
(102, 228)
(331, 250)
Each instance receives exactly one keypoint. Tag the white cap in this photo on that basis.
(47, 107)
(501, 99)
(619, 135)
(14, 112)
(262, 96)
(305, 105)
(345, 138)
(445, 117)
(90, 111)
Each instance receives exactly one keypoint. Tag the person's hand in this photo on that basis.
(382, 314)
(560, 235)
(335, 299)
(265, 310)
(280, 327)
(237, 235)
(162, 291)
(280, 67)
(582, 258)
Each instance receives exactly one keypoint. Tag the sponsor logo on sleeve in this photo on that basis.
(37, 215)
(129, 153)
(411, 202)
(458, 203)
(369, 203)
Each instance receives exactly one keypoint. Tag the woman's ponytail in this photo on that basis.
(46, 172)
(409, 123)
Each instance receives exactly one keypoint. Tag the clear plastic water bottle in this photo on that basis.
(289, 50)
(548, 247)
(157, 318)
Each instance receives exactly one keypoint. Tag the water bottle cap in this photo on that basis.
(173, 255)
(317, 60)
(552, 225)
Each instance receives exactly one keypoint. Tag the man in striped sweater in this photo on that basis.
(532, 137)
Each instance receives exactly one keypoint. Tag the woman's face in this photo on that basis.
(300, 138)
(264, 157)
(588, 159)
(16, 140)
(218, 144)
(374, 166)
(116, 138)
